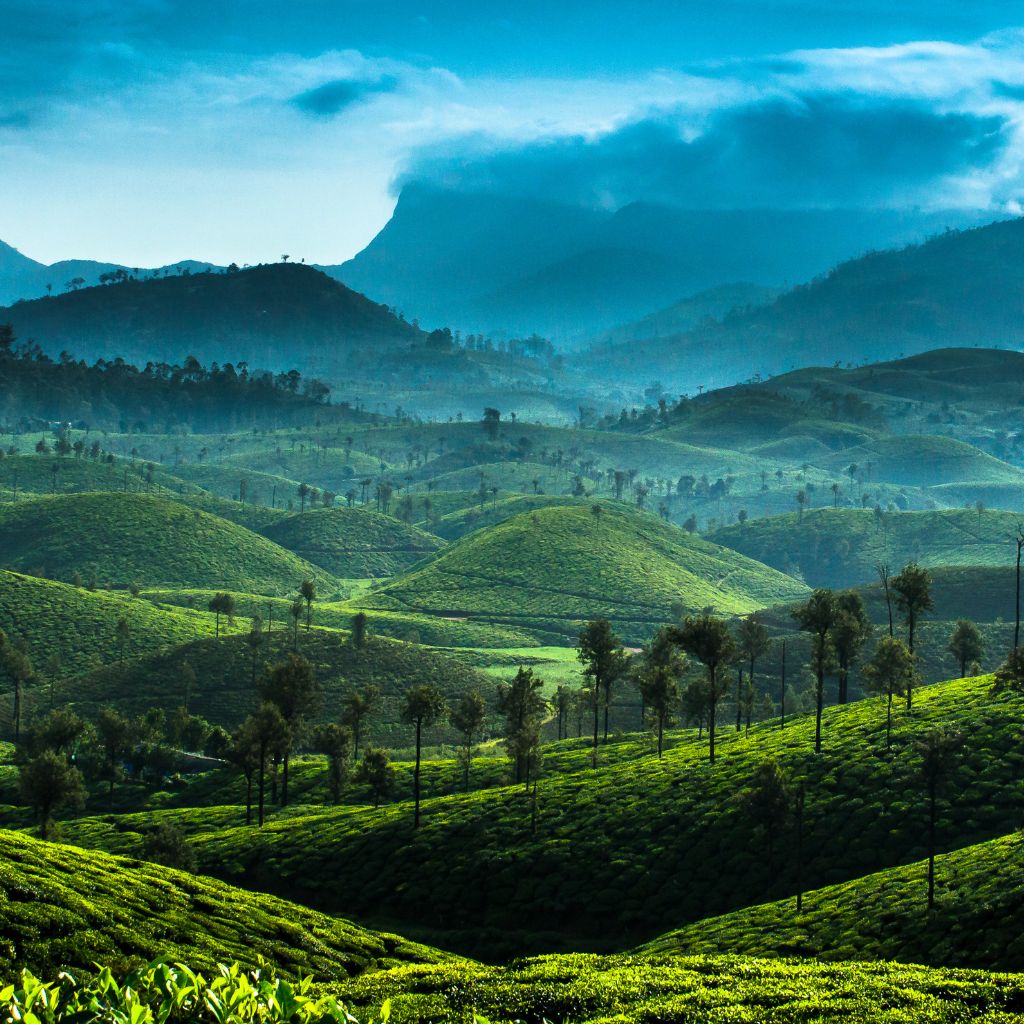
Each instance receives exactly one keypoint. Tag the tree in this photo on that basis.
(965, 644)
(292, 687)
(882, 569)
(47, 784)
(564, 703)
(523, 706)
(753, 643)
(708, 639)
(938, 750)
(60, 731)
(336, 742)
(114, 734)
(358, 628)
(222, 604)
(766, 801)
(303, 492)
(890, 673)
(376, 772)
(695, 701)
(123, 633)
(913, 590)
(849, 634)
(818, 617)
(296, 613)
(270, 736)
(659, 671)
(308, 592)
(17, 666)
(254, 640)
(356, 708)
(491, 422)
(243, 752)
(423, 706)
(467, 717)
(600, 651)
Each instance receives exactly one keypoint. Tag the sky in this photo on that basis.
(148, 131)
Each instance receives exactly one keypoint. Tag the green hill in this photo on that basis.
(150, 540)
(554, 568)
(52, 474)
(223, 481)
(979, 899)
(80, 626)
(323, 467)
(61, 907)
(253, 517)
(479, 516)
(353, 543)
(224, 693)
(642, 845)
(841, 547)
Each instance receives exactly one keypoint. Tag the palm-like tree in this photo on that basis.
(423, 706)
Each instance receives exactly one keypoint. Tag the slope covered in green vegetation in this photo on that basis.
(63, 907)
(842, 547)
(353, 543)
(55, 474)
(643, 844)
(554, 568)
(884, 916)
(123, 538)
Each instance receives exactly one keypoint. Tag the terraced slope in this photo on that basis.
(478, 516)
(979, 900)
(841, 547)
(223, 481)
(639, 846)
(80, 626)
(320, 467)
(53, 474)
(353, 543)
(552, 569)
(62, 907)
(150, 540)
(224, 692)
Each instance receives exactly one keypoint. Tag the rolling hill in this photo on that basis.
(841, 547)
(353, 543)
(555, 568)
(123, 538)
(62, 907)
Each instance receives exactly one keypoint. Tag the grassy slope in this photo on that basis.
(33, 474)
(253, 517)
(554, 568)
(642, 845)
(883, 916)
(476, 517)
(224, 690)
(63, 907)
(80, 626)
(126, 537)
(222, 481)
(841, 547)
(353, 542)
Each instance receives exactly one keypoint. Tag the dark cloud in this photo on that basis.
(816, 150)
(333, 97)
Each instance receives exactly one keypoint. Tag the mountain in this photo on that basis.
(273, 317)
(25, 278)
(961, 288)
(495, 263)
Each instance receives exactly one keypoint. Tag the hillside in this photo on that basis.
(353, 543)
(614, 847)
(841, 547)
(224, 692)
(79, 626)
(883, 916)
(52, 474)
(123, 538)
(554, 568)
(275, 317)
(61, 907)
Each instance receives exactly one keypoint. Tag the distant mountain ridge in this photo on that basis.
(959, 289)
(495, 263)
(24, 278)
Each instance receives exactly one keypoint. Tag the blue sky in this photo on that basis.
(149, 131)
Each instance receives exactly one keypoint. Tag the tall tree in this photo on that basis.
(222, 604)
(913, 590)
(375, 771)
(708, 639)
(818, 617)
(603, 658)
(357, 706)
(767, 802)
(114, 734)
(965, 644)
(270, 736)
(254, 640)
(335, 741)
(423, 706)
(849, 634)
(659, 671)
(17, 666)
(292, 687)
(889, 673)
(358, 628)
(882, 570)
(753, 643)
(308, 594)
(48, 783)
(564, 703)
(938, 750)
(243, 753)
(521, 702)
(467, 718)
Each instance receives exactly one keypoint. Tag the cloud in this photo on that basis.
(335, 96)
(811, 150)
